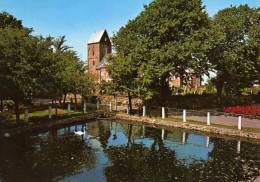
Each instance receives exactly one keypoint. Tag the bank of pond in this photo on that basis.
(113, 150)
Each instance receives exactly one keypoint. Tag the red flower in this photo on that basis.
(246, 110)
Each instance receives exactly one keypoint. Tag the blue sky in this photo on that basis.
(77, 19)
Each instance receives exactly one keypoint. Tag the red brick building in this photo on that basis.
(99, 46)
(194, 81)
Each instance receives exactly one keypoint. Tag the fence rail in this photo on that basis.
(209, 117)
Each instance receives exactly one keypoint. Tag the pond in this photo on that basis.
(120, 151)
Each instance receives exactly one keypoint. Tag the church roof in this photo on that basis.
(96, 36)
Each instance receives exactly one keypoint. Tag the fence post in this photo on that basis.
(144, 111)
(208, 118)
(239, 122)
(50, 112)
(97, 105)
(110, 107)
(84, 107)
(183, 138)
(184, 115)
(116, 103)
(163, 133)
(207, 141)
(163, 112)
(26, 115)
(69, 107)
(238, 146)
(127, 109)
(143, 131)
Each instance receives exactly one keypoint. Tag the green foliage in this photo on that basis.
(165, 38)
(5, 116)
(17, 56)
(34, 66)
(177, 38)
(235, 48)
(7, 20)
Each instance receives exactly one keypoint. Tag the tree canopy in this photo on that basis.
(166, 38)
(35, 66)
(177, 38)
(235, 50)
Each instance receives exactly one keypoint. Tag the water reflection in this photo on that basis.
(114, 151)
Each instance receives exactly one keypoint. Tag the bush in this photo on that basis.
(5, 116)
(8, 104)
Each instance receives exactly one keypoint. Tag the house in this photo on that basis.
(99, 47)
(193, 82)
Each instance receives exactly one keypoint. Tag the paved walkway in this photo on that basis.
(227, 120)
(257, 180)
(189, 126)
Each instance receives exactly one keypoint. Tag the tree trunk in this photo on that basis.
(219, 87)
(130, 127)
(75, 99)
(130, 102)
(60, 102)
(164, 91)
(52, 103)
(64, 100)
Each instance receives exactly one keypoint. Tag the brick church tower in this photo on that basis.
(99, 46)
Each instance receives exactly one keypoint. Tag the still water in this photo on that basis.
(119, 151)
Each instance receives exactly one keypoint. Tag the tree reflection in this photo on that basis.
(127, 153)
(43, 159)
(226, 164)
(139, 163)
(104, 134)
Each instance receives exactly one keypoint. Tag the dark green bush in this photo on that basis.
(5, 116)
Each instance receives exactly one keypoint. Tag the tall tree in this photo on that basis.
(34, 66)
(16, 58)
(165, 38)
(235, 49)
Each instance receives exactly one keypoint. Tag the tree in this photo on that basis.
(123, 74)
(34, 66)
(165, 38)
(7, 20)
(59, 44)
(235, 48)
(16, 58)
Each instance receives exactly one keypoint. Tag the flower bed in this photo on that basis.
(246, 110)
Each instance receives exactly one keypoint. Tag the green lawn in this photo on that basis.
(44, 114)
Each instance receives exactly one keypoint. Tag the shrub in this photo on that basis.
(5, 116)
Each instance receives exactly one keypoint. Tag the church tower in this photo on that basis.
(99, 46)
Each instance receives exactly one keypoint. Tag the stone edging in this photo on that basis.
(201, 128)
(55, 123)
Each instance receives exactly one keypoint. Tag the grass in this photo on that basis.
(44, 114)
